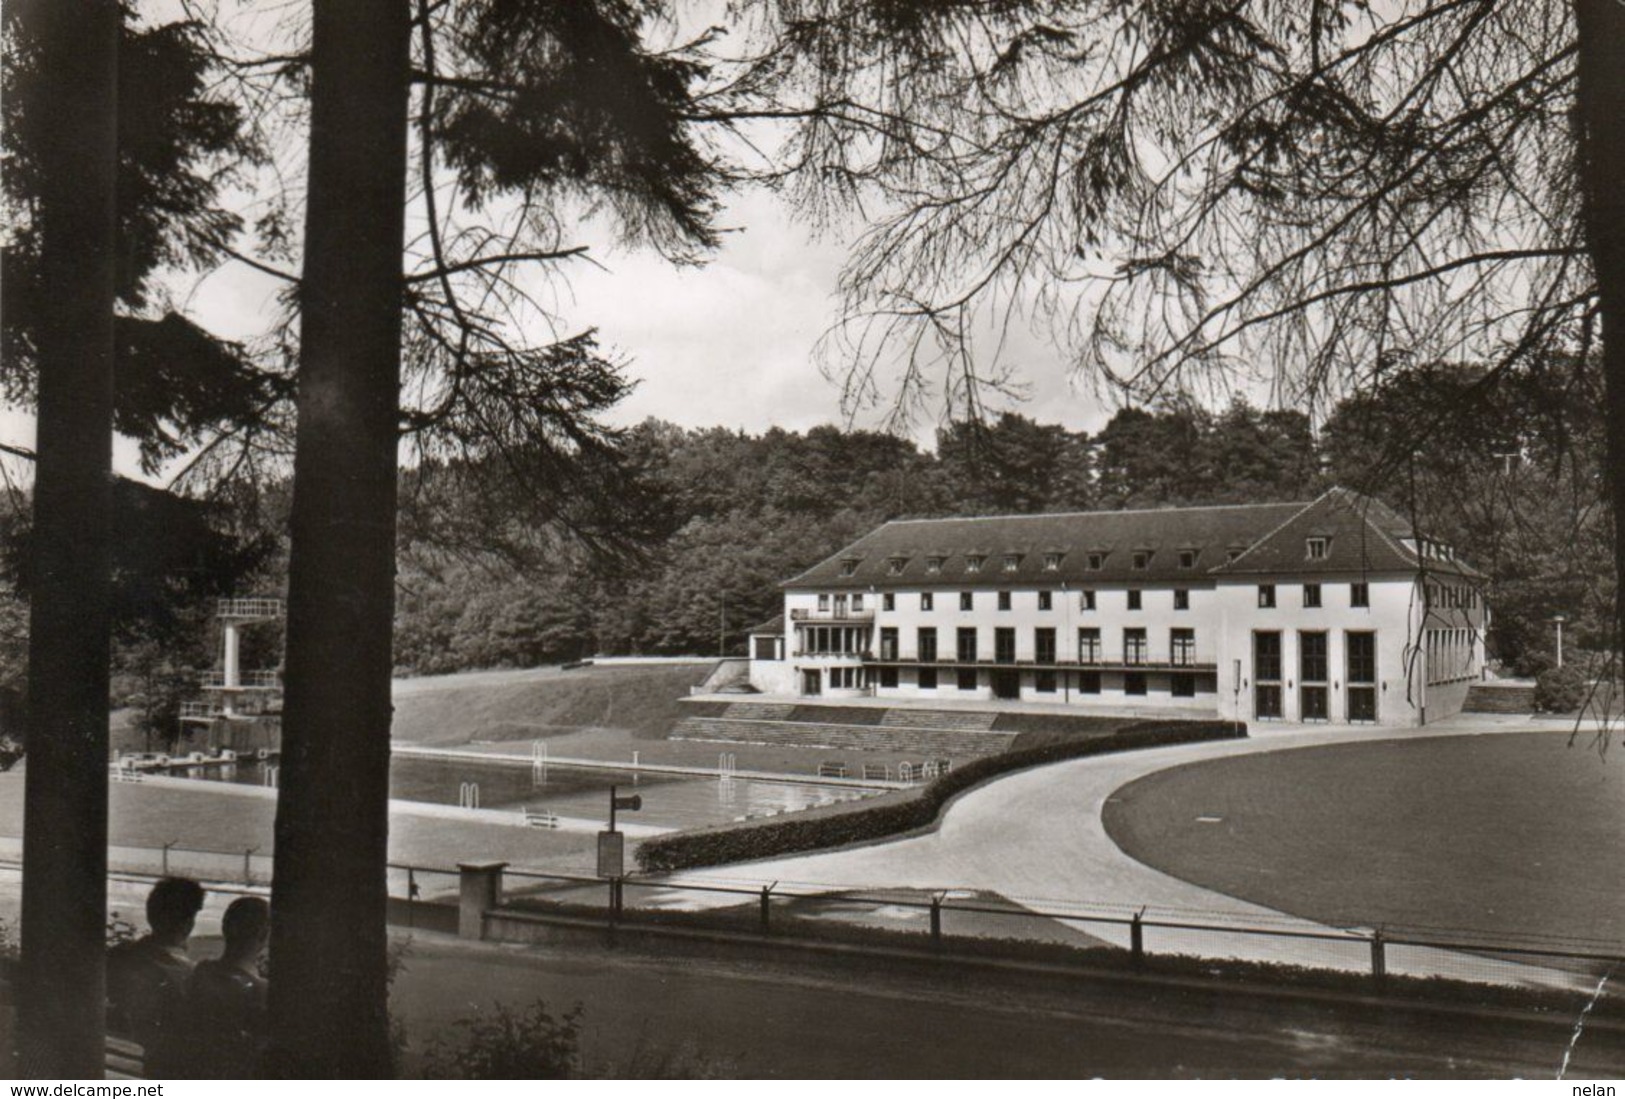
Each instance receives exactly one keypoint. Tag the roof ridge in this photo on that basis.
(1101, 511)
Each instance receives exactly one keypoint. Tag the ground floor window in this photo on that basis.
(1045, 683)
(845, 678)
(1312, 663)
(928, 679)
(1134, 683)
(967, 679)
(1361, 650)
(888, 677)
(1089, 683)
(1183, 686)
(1267, 674)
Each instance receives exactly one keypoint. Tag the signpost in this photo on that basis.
(612, 849)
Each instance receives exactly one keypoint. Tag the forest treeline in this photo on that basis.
(1506, 469)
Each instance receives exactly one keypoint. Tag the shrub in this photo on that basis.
(509, 1044)
(1561, 690)
(867, 823)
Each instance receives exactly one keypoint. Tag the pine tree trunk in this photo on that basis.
(328, 991)
(1600, 118)
(73, 104)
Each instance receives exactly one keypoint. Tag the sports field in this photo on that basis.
(1518, 836)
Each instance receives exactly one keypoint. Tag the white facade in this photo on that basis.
(1393, 648)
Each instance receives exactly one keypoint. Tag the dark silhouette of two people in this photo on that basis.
(193, 1022)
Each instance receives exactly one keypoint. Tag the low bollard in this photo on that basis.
(767, 906)
(1136, 939)
(936, 921)
(1379, 956)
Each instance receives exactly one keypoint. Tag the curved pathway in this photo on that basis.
(1036, 837)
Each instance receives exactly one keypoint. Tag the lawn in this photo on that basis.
(1517, 836)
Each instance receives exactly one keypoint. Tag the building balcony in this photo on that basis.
(825, 618)
(1134, 662)
(865, 657)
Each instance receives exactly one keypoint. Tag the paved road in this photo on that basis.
(1037, 837)
(833, 1018)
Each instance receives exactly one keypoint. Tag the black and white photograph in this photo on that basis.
(800, 540)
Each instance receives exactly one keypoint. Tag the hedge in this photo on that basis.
(767, 839)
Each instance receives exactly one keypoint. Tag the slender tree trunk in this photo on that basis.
(73, 102)
(328, 989)
(1600, 121)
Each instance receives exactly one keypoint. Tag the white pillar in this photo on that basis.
(232, 672)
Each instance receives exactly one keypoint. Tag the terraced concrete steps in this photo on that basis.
(1500, 698)
(968, 721)
(950, 743)
(759, 711)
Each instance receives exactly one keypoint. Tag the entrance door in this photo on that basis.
(811, 681)
(1266, 674)
(1362, 676)
(1006, 684)
(1312, 676)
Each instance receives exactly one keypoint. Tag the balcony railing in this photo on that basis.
(249, 608)
(265, 679)
(840, 615)
(832, 654)
(1146, 661)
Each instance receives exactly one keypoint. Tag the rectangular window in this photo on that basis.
(1360, 594)
(1142, 560)
(888, 676)
(1052, 561)
(973, 564)
(1134, 683)
(1316, 548)
(1267, 674)
(766, 649)
(1266, 595)
(927, 601)
(967, 679)
(1134, 599)
(1089, 645)
(926, 643)
(1044, 682)
(933, 564)
(894, 567)
(888, 643)
(1182, 599)
(1097, 561)
(1312, 673)
(857, 603)
(928, 679)
(1182, 647)
(1088, 683)
(1004, 600)
(823, 603)
(1134, 647)
(1182, 685)
(1311, 595)
(965, 645)
(888, 602)
(1046, 600)
(1012, 561)
(1004, 645)
(1187, 559)
(1086, 600)
(965, 601)
(1044, 645)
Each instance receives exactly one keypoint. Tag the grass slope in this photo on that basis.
(642, 700)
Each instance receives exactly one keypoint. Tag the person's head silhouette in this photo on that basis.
(246, 926)
(172, 909)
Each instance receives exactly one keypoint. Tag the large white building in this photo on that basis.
(1334, 610)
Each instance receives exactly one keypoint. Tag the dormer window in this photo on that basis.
(849, 566)
(1142, 560)
(1097, 561)
(894, 566)
(973, 563)
(933, 564)
(1052, 561)
(1187, 559)
(1316, 548)
(1011, 562)
(1231, 555)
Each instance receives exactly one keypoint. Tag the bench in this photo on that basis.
(832, 769)
(125, 1060)
(541, 818)
(876, 770)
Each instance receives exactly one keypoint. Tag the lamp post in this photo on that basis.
(1558, 621)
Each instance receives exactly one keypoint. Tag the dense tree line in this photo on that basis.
(734, 514)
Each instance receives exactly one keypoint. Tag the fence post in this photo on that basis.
(767, 905)
(1136, 937)
(936, 919)
(411, 895)
(1379, 956)
(248, 873)
(479, 889)
(167, 846)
